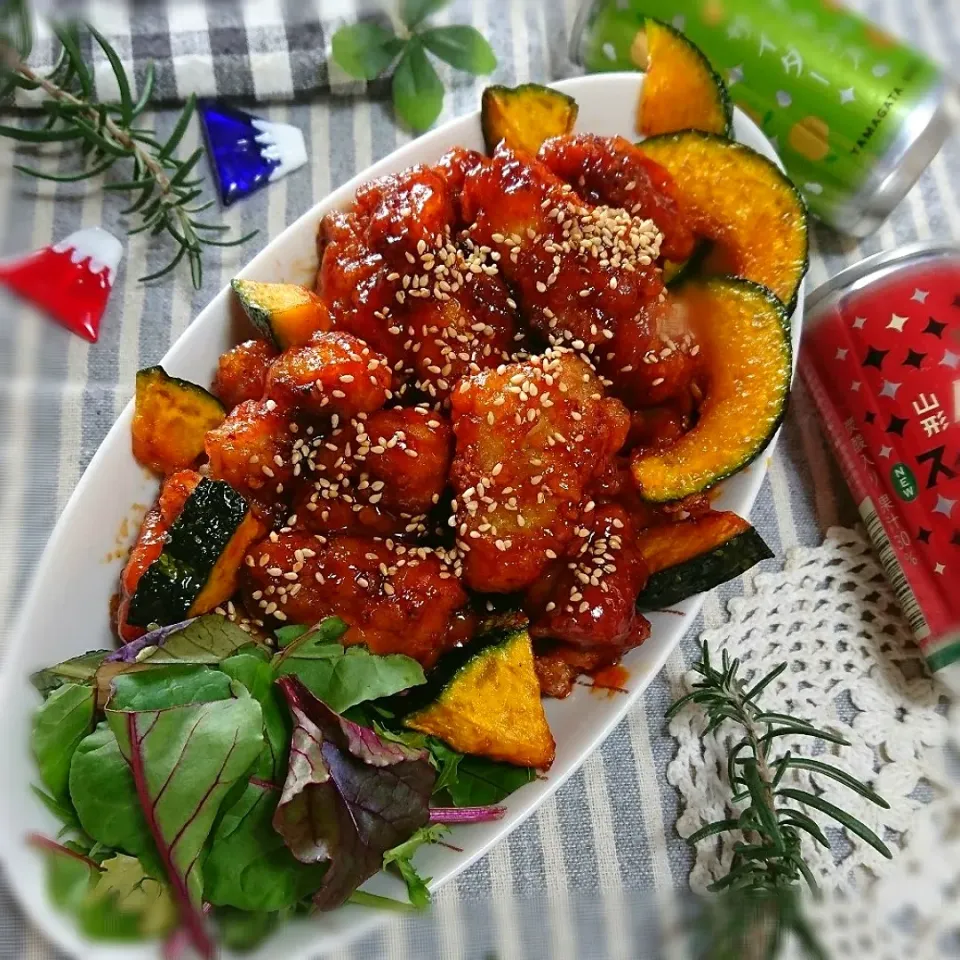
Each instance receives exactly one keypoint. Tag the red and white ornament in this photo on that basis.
(71, 280)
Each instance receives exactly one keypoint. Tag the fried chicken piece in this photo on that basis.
(612, 171)
(333, 373)
(585, 276)
(251, 450)
(376, 474)
(370, 255)
(472, 327)
(454, 166)
(352, 280)
(401, 210)
(530, 436)
(395, 275)
(558, 665)
(588, 598)
(150, 542)
(395, 598)
(242, 372)
(410, 453)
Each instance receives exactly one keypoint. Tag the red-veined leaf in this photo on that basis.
(184, 760)
(349, 796)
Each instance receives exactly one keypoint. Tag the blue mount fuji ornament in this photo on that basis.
(247, 152)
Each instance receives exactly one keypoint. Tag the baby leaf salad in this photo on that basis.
(210, 786)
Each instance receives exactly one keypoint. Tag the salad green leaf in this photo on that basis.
(80, 669)
(242, 931)
(349, 796)
(468, 781)
(61, 809)
(286, 635)
(344, 676)
(253, 670)
(249, 866)
(113, 900)
(105, 798)
(481, 782)
(70, 875)
(328, 630)
(401, 857)
(63, 720)
(184, 761)
(166, 687)
(206, 639)
(127, 903)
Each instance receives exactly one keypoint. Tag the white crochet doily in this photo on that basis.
(855, 670)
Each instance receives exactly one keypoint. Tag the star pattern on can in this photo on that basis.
(883, 365)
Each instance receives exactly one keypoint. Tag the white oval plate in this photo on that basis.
(66, 610)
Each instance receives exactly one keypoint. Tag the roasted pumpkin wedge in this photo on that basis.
(484, 699)
(286, 313)
(743, 203)
(675, 273)
(171, 417)
(525, 116)
(745, 334)
(696, 555)
(681, 91)
(198, 566)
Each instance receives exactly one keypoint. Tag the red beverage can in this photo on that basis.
(881, 357)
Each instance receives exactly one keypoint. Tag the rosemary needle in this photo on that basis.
(164, 189)
(761, 889)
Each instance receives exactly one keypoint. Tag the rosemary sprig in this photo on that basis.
(761, 887)
(164, 188)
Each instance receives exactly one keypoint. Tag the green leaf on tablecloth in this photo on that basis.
(414, 12)
(463, 47)
(417, 88)
(365, 50)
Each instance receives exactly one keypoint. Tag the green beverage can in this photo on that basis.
(855, 115)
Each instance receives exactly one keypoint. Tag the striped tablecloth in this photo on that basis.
(577, 879)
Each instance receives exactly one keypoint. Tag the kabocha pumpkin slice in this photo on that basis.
(676, 272)
(198, 566)
(525, 116)
(745, 336)
(696, 555)
(484, 699)
(681, 90)
(286, 313)
(743, 203)
(170, 420)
